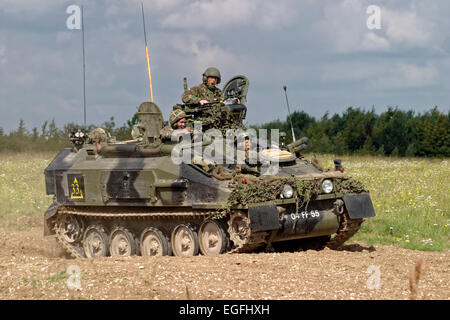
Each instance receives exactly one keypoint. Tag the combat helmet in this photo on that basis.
(175, 116)
(211, 72)
(98, 135)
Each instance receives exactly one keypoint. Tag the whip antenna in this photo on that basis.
(146, 53)
(84, 66)
(289, 112)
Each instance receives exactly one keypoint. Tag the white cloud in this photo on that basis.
(410, 76)
(28, 6)
(381, 74)
(130, 54)
(119, 8)
(101, 76)
(46, 60)
(350, 71)
(405, 27)
(344, 26)
(112, 10)
(198, 53)
(373, 42)
(226, 14)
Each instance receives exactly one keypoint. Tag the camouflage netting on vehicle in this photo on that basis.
(217, 117)
(257, 190)
(349, 185)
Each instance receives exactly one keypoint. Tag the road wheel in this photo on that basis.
(239, 229)
(184, 240)
(154, 243)
(95, 242)
(72, 228)
(213, 239)
(122, 242)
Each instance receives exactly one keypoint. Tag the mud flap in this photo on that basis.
(263, 218)
(359, 206)
(49, 213)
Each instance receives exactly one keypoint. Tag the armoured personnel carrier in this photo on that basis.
(132, 198)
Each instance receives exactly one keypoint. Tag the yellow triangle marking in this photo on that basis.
(76, 191)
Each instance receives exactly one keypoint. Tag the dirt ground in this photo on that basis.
(34, 267)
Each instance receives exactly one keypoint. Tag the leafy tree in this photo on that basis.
(300, 121)
(109, 125)
(381, 152)
(434, 134)
(35, 134)
(339, 146)
(53, 131)
(411, 150)
(133, 120)
(368, 147)
(358, 125)
(395, 152)
(21, 131)
(44, 131)
(277, 124)
(391, 130)
(318, 139)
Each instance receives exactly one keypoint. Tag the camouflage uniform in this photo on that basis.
(214, 115)
(202, 92)
(166, 133)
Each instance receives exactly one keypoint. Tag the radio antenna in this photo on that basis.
(289, 112)
(146, 53)
(84, 66)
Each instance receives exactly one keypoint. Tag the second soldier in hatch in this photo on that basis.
(206, 91)
(177, 120)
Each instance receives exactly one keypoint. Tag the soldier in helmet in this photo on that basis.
(177, 121)
(98, 137)
(206, 91)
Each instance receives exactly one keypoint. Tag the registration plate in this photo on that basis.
(305, 214)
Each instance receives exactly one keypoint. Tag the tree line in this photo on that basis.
(391, 133)
(394, 132)
(51, 138)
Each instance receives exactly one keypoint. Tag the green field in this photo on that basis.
(410, 197)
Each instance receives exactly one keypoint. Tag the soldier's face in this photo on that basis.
(247, 144)
(212, 81)
(98, 145)
(181, 123)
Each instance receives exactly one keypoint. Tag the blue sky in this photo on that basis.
(322, 51)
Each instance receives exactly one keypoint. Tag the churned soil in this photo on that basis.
(34, 267)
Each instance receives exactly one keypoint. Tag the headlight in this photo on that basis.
(288, 192)
(327, 186)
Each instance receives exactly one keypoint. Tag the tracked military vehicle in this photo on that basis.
(131, 198)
